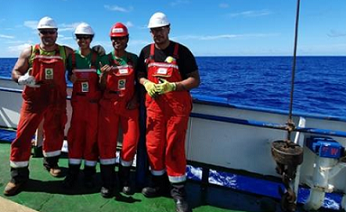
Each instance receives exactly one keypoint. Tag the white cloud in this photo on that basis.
(139, 42)
(6, 36)
(61, 27)
(129, 24)
(31, 24)
(143, 27)
(18, 48)
(118, 9)
(335, 33)
(68, 27)
(251, 13)
(218, 37)
(64, 38)
(177, 2)
(223, 5)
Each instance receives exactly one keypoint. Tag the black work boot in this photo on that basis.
(159, 186)
(108, 180)
(179, 195)
(72, 176)
(89, 173)
(51, 164)
(19, 176)
(124, 179)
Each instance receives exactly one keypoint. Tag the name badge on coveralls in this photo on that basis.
(48, 73)
(85, 87)
(162, 71)
(122, 84)
(123, 71)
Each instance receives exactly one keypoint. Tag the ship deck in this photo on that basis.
(45, 193)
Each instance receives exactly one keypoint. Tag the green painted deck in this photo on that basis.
(45, 193)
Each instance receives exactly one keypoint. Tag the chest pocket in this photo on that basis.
(87, 80)
(165, 70)
(120, 77)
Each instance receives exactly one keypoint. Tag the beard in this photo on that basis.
(48, 41)
(160, 40)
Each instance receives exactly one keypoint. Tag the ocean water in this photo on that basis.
(320, 82)
(265, 82)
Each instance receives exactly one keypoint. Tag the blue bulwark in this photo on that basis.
(325, 147)
(7, 135)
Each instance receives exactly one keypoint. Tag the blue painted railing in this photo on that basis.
(268, 125)
(223, 102)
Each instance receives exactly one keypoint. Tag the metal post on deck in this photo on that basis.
(205, 183)
(287, 154)
(142, 163)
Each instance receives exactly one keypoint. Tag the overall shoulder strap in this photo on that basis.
(152, 51)
(151, 54)
(176, 50)
(73, 60)
(57, 50)
(62, 52)
(110, 59)
(129, 59)
(93, 59)
(36, 49)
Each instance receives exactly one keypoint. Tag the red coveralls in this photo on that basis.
(120, 88)
(167, 119)
(82, 135)
(46, 102)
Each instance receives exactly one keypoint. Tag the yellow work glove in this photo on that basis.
(150, 87)
(165, 87)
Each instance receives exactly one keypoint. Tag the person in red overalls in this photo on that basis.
(168, 71)
(118, 108)
(41, 68)
(82, 68)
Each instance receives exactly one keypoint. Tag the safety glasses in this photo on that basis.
(83, 37)
(158, 29)
(118, 38)
(46, 32)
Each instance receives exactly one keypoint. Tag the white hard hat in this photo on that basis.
(46, 23)
(84, 29)
(158, 20)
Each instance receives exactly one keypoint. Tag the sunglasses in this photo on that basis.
(85, 37)
(46, 32)
(157, 29)
(118, 38)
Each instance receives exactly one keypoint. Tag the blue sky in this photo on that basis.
(207, 27)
